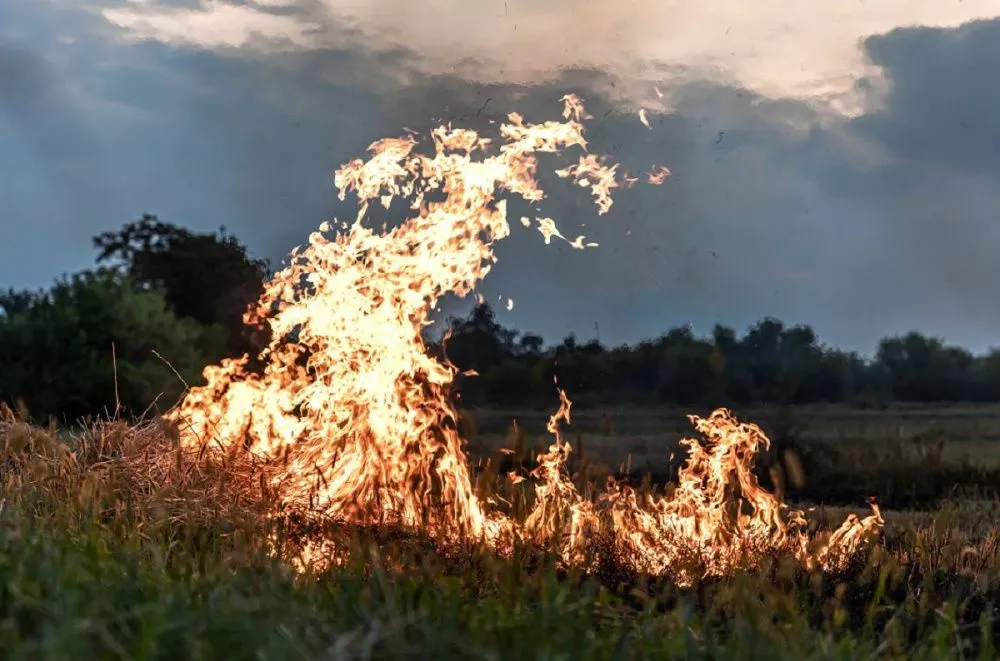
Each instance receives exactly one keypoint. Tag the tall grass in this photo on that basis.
(114, 544)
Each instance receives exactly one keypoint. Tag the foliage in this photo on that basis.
(209, 278)
(771, 363)
(13, 301)
(68, 352)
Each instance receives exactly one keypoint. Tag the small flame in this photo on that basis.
(547, 228)
(592, 172)
(657, 175)
(354, 415)
(573, 107)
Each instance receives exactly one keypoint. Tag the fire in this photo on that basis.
(354, 414)
(658, 175)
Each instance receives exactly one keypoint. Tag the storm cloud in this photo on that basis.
(862, 218)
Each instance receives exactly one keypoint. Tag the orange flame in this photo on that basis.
(658, 175)
(354, 413)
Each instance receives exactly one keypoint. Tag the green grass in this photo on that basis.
(71, 592)
(80, 592)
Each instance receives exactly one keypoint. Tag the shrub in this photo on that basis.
(95, 344)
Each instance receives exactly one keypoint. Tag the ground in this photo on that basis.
(97, 563)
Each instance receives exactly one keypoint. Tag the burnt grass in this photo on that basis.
(908, 487)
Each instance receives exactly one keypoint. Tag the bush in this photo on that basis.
(71, 351)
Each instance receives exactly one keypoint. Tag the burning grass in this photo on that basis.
(353, 417)
(114, 543)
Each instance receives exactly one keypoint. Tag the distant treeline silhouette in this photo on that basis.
(771, 363)
(165, 301)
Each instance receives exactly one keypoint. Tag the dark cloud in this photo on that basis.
(934, 191)
(728, 238)
(944, 103)
(861, 228)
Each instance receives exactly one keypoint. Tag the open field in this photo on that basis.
(956, 422)
(908, 457)
(106, 551)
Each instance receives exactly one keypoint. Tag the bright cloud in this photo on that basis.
(214, 25)
(776, 48)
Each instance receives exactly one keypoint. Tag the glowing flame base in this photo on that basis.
(353, 413)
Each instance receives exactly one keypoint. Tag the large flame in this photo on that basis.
(354, 414)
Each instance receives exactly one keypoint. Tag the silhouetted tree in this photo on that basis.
(478, 342)
(988, 376)
(209, 278)
(531, 345)
(770, 364)
(686, 375)
(13, 301)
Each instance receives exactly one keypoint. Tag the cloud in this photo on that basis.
(49, 138)
(934, 189)
(216, 25)
(944, 99)
(774, 47)
(862, 225)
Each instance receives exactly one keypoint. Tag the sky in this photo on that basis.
(835, 164)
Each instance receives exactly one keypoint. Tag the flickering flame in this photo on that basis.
(547, 228)
(658, 175)
(354, 415)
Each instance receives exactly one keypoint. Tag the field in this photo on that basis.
(908, 457)
(316, 502)
(116, 546)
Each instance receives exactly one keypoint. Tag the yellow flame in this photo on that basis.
(354, 413)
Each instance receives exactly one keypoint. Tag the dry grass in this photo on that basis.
(115, 544)
(132, 477)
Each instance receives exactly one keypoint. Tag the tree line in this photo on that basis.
(770, 363)
(162, 302)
